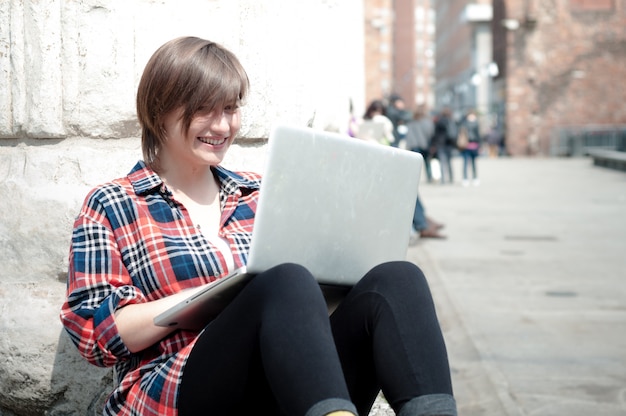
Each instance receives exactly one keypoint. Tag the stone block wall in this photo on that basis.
(41, 371)
(68, 76)
(70, 68)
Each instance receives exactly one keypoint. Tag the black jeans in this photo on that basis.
(427, 156)
(273, 350)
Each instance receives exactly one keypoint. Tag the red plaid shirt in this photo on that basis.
(132, 243)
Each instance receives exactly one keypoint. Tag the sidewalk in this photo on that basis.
(531, 286)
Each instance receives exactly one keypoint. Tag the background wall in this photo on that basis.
(68, 76)
(70, 68)
(564, 69)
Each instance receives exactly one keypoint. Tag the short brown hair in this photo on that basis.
(188, 73)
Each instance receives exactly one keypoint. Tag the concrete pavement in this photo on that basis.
(531, 286)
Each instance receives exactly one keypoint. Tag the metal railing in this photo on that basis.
(574, 141)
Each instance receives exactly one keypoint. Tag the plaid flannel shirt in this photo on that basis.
(132, 243)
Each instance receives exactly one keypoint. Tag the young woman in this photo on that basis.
(471, 150)
(375, 113)
(179, 220)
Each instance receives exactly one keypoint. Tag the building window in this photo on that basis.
(419, 13)
(591, 5)
(384, 85)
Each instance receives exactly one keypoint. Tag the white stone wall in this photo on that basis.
(68, 75)
(70, 68)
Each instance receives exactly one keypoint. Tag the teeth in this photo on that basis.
(213, 142)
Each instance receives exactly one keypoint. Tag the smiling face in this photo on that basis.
(188, 103)
(204, 143)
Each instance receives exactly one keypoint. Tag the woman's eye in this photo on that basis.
(204, 110)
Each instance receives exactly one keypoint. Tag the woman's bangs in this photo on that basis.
(224, 84)
(230, 91)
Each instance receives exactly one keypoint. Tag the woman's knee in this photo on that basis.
(287, 279)
(398, 278)
(281, 292)
(396, 272)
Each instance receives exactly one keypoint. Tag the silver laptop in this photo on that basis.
(334, 204)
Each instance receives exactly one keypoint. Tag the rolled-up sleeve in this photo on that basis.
(98, 285)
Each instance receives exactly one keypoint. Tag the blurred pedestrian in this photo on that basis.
(470, 130)
(494, 141)
(375, 126)
(443, 142)
(419, 135)
(398, 114)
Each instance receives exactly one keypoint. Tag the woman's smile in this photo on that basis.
(213, 141)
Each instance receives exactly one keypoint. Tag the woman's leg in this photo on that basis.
(444, 164)
(388, 336)
(466, 157)
(419, 217)
(473, 156)
(426, 156)
(271, 347)
(448, 151)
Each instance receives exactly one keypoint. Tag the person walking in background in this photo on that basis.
(494, 141)
(444, 140)
(375, 126)
(470, 130)
(398, 114)
(419, 135)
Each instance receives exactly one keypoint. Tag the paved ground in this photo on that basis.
(531, 287)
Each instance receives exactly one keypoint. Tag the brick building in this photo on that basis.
(464, 68)
(379, 24)
(554, 68)
(414, 55)
(399, 50)
(562, 66)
